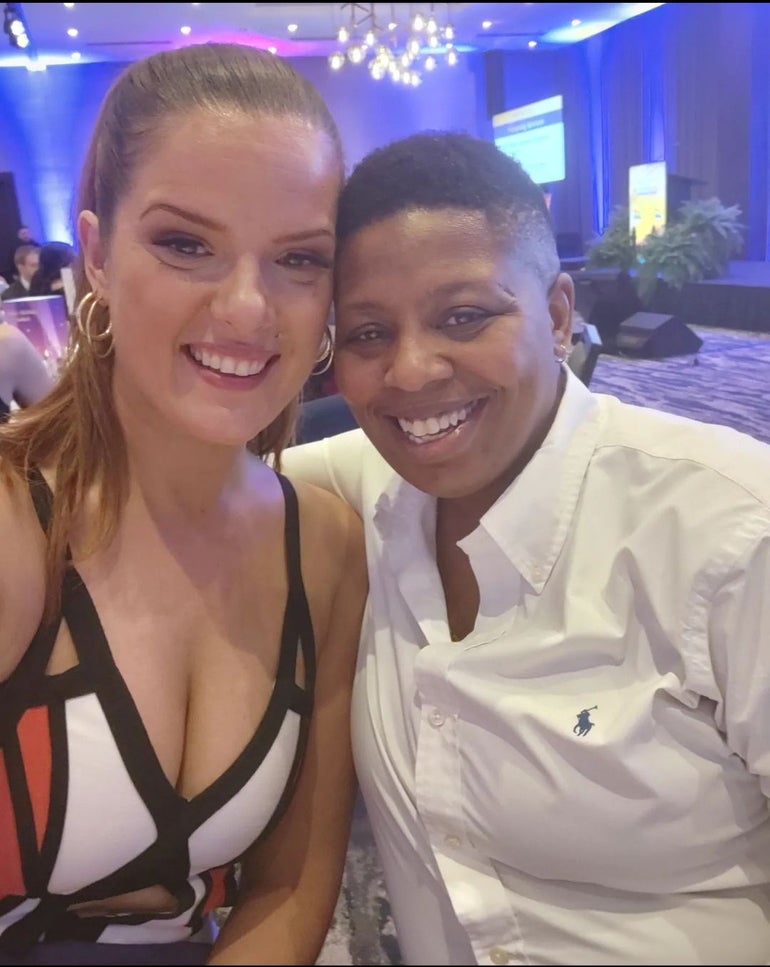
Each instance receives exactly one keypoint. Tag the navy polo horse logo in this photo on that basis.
(584, 723)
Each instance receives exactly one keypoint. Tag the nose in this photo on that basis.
(415, 362)
(241, 299)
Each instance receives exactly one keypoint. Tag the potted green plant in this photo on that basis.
(697, 244)
(615, 247)
(719, 231)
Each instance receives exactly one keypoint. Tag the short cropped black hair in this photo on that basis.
(439, 169)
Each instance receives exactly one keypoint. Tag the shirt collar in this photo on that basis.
(530, 520)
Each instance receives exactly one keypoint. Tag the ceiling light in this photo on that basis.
(576, 22)
(400, 50)
(69, 5)
(75, 55)
(292, 28)
(185, 30)
(532, 43)
(72, 32)
(14, 26)
(273, 50)
(486, 24)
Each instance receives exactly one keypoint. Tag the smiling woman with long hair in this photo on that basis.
(178, 622)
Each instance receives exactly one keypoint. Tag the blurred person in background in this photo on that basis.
(24, 378)
(54, 256)
(27, 262)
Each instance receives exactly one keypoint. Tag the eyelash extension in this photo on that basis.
(169, 242)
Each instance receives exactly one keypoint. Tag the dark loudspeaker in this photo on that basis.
(655, 335)
(605, 297)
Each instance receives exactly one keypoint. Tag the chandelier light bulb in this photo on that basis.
(393, 48)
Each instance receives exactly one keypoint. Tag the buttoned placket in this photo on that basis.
(479, 899)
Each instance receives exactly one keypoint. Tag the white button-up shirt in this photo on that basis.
(584, 778)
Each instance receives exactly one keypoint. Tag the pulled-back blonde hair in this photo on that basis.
(75, 428)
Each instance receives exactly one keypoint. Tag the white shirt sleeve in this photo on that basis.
(739, 638)
(334, 464)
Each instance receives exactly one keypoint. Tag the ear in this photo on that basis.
(94, 254)
(561, 302)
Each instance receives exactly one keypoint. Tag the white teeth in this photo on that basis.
(421, 430)
(226, 364)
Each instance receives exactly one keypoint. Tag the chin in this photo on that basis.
(441, 486)
(220, 434)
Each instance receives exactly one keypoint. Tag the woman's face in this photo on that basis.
(218, 272)
(446, 337)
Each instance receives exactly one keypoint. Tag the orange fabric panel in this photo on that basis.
(35, 740)
(11, 878)
(217, 894)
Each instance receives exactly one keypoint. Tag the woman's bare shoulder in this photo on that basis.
(330, 528)
(22, 574)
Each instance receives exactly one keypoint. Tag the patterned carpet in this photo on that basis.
(727, 382)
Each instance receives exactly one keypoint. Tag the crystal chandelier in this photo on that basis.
(400, 51)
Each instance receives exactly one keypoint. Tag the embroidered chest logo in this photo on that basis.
(584, 723)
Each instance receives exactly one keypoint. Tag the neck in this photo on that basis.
(459, 516)
(178, 477)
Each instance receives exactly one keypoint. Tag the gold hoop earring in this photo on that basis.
(326, 354)
(85, 325)
(561, 353)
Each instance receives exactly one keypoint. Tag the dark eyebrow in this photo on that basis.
(183, 213)
(216, 226)
(307, 235)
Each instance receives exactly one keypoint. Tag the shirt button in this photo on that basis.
(499, 956)
(436, 718)
(452, 841)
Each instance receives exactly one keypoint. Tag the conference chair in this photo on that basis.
(323, 417)
(586, 346)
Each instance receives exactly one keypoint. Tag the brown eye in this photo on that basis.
(183, 245)
(466, 318)
(305, 260)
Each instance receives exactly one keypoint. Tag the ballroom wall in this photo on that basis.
(46, 119)
(685, 83)
(688, 84)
